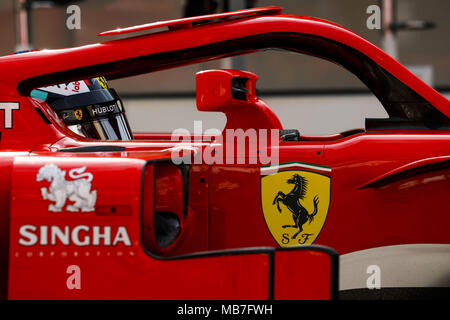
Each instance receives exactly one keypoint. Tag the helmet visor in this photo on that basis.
(89, 108)
(111, 128)
(105, 121)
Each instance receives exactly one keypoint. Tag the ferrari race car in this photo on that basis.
(91, 210)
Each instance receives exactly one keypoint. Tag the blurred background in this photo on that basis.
(307, 93)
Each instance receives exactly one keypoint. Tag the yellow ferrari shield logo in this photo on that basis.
(102, 82)
(78, 114)
(295, 203)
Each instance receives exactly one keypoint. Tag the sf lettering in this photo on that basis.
(286, 238)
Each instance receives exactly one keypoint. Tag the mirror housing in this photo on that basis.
(233, 92)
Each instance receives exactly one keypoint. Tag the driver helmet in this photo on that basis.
(89, 108)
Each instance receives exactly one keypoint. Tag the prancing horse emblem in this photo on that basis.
(78, 191)
(292, 201)
(78, 114)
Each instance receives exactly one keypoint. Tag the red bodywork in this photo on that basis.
(387, 187)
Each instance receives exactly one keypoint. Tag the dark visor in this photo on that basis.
(97, 114)
(111, 128)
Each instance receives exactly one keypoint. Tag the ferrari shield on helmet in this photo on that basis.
(89, 108)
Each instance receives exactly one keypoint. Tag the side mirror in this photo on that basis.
(217, 89)
(233, 92)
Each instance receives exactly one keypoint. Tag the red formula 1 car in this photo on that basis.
(91, 211)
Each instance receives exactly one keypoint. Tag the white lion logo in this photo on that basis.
(78, 191)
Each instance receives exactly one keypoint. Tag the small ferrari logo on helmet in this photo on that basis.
(78, 114)
(102, 82)
(295, 203)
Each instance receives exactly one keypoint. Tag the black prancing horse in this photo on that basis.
(292, 202)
